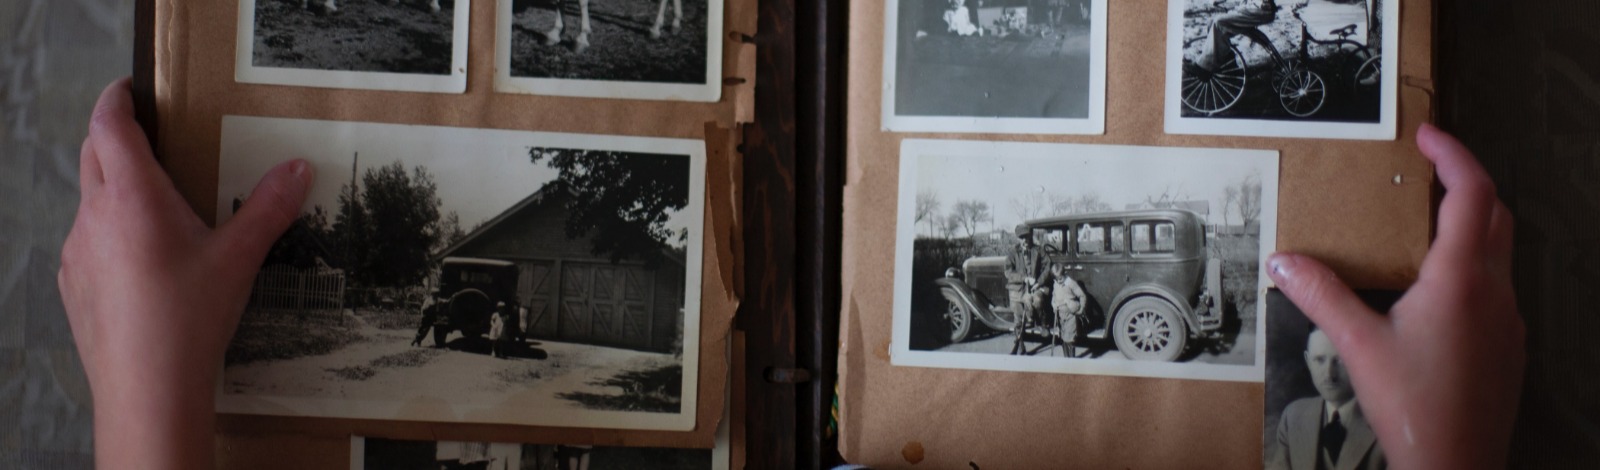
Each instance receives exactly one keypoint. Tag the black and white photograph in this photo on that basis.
(1283, 68)
(1313, 418)
(394, 45)
(630, 49)
(995, 66)
(370, 453)
(472, 275)
(1083, 259)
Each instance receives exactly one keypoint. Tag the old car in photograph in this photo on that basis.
(1150, 283)
(470, 291)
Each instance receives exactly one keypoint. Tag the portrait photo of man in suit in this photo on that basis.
(1327, 431)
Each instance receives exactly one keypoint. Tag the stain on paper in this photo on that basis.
(912, 452)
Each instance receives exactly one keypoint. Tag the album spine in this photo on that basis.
(822, 34)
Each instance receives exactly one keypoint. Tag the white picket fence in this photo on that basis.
(280, 288)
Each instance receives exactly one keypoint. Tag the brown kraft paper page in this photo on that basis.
(1340, 201)
(195, 88)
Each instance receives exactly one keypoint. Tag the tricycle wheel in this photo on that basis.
(1149, 329)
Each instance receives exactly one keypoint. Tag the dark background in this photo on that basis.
(1519, 81)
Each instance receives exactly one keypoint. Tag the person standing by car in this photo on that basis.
(429, 309)
(503, 328)
(1024, 267)
(1067, 300)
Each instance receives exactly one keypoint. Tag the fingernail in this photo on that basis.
(301, 171)
(1281, 266)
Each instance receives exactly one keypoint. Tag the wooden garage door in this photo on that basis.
(606, 304)
(536, 288)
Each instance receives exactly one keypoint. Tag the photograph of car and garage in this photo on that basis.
(1082, 258)
(475, 268)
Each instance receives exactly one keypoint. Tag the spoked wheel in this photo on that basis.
(1149, 329)
(1214, 91)
(959, 320)
(1369, 77)
(1301, 91)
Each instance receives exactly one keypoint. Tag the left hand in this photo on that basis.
(153, 295)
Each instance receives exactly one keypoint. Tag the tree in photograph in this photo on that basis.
(970, 213)
(352, 230)
(1249, 201)
(1169, 198)
(387, 227)
(1083, 204)
(621, 200)
(305, 241)
(928, 209)
(1030, 205)
(449, 231)
(948, 226)
(404, 213)
(1230, 196)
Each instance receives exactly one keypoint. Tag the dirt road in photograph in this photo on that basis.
(385, 366)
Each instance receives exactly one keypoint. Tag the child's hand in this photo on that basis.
(153, 294)
(1439, 377)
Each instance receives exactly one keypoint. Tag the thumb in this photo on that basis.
(1328, 302)
(272, 206)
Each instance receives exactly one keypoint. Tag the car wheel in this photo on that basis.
(1149, 329)
(439, 335)
(959, 320)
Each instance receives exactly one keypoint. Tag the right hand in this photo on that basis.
(1440, 376)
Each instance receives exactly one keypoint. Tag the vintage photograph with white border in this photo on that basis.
(1001, 66)
(404, 45)
(1308, 389)
(371, 453)
(472, 275)
(1323, 69)
(629, 49)
(1083, 259)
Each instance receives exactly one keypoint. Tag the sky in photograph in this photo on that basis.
(1120, 178)
(479, 175)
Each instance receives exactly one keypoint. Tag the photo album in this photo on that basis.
(713, 234)
(516, 251)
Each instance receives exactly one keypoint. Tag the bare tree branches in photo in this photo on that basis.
(970, 213)
(1249, 199)
(928, 209)
(1085, 203)
(1031, 205)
